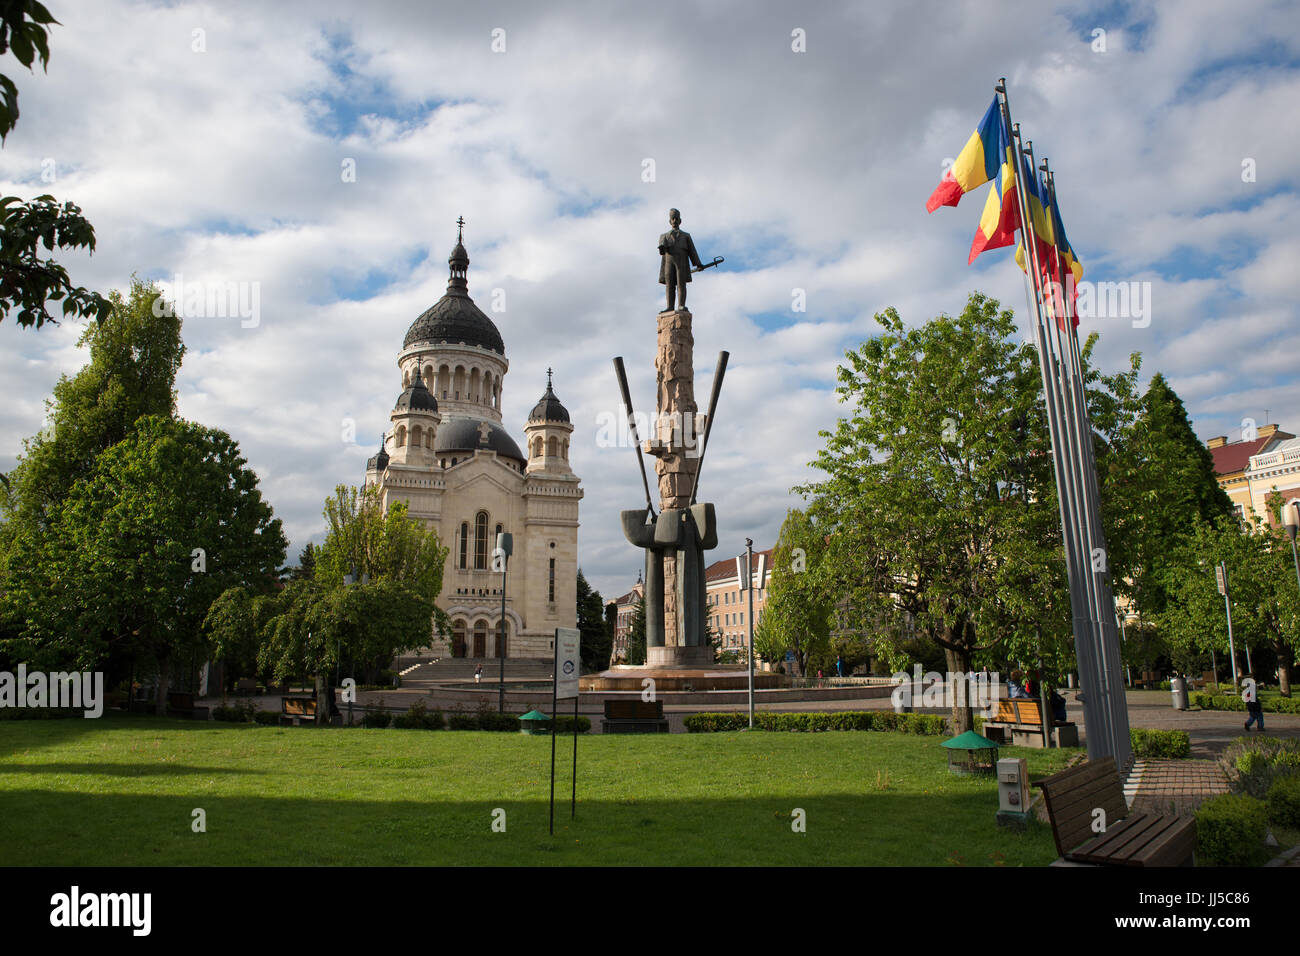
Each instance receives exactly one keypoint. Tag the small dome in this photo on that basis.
(461, 435)
(379, 461)
(548, 407)
(417, 398)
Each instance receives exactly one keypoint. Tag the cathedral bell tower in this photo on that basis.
(415, 421)
(548, 430)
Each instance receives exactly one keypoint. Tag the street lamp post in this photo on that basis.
(505, 546)
(1221, 574)
(749, 587)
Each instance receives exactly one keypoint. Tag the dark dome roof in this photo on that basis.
(379, 461)
(417, 397)
(455, 319)
(548, 407)
(461, 435)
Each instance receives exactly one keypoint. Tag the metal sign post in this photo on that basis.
(1221, 576)
(564, 684)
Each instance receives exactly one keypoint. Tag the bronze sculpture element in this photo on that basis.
(677, 252)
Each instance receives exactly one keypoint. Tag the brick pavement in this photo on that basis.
(1174, 786)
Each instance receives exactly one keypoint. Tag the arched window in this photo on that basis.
(537, 447)
(481, 541)
(401, 436)
(551, 599)
(428, 438)
(474, 385)
(444, 381)
(550, 446)
(458, 638)
(480, 639)
(464, 544)
(488, 388)
(429, 382)
(417, 436)
(496, 534)
(564, 450)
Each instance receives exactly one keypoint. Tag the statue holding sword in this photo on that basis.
(677, 252)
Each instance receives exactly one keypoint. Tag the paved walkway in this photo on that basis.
(1173, 786)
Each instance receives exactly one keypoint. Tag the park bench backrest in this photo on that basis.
(1075, 794)
(1027, 711)
(298, 706)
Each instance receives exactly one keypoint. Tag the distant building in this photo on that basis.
(1248, 470)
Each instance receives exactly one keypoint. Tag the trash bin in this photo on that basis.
(1178, 690)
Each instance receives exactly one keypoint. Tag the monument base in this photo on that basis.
(679, 656)
(712, 677)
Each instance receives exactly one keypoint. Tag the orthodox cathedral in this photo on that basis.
(448, 456)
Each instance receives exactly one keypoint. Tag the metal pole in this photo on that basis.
(501, 642)
(1227, 607)
(573, 799)
(555, 676)
(749, 587)
(1099, 743)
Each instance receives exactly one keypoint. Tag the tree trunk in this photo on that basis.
(962, 717)
(1284, 670)
(324, 693)
(164, 684)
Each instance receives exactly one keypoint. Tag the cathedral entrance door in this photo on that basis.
(480, 644)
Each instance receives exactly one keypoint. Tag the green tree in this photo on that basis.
(28, 283)
(936, 515)
(596, 640)
(797, 616)
(1158, 484)
(1262, 589)
(396, 566)
(134, 358)
(636, 634)
(130, 562)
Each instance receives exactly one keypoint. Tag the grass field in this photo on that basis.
(121, 790)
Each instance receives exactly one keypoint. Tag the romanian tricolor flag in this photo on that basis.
(1001, 216)
(977, 163)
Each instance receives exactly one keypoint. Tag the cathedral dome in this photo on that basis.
(455, 319)
(548, 407)
(461, 435)
(378, 462)
(417, 397)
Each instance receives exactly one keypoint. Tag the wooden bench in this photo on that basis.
(1141, 839)
(634, 716)
(295, 710)
(1022, 719)
(246, 685)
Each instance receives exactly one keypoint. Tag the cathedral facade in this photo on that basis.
(448, 455)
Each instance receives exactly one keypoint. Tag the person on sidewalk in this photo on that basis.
(478, 673)
(1253, 707)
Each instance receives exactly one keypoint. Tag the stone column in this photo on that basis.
(676, 449)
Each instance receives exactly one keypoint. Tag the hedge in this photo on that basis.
(1271, 705)
(1230, 830)
(1252, 764)
(927, 724)
(1284, 802)
(1160, 743)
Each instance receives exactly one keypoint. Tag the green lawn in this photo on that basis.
(120, 791)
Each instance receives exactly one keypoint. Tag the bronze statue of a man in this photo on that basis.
(678, 253)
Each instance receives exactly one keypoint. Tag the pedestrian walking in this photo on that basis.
(1253, 707)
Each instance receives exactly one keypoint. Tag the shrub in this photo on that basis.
(1251, 764)
(241, 711)
(376, 716)
(266, 717)
(462, 722)
(1230, 830)
(1270, 705)
(419, 717)
(564, 725)
(1284, 801)
(502, 723)
(1160, 743)
(927, 724)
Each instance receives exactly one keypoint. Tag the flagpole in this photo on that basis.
(1112, 666)
(1078, 439)
(1098, 743)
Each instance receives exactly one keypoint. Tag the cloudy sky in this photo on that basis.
(217, 142)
